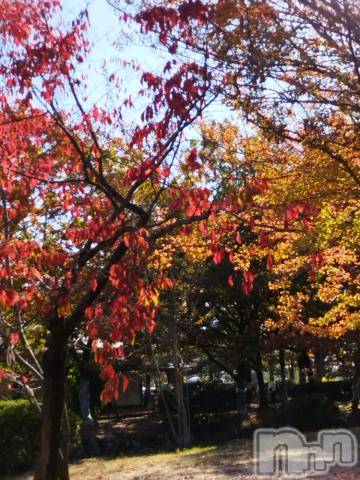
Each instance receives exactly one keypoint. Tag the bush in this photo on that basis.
(338, 391)
(206, 398)
(19, 435)
(314, 411)
(213, 397)
(19, 427)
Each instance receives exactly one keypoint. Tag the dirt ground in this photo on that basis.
(230, 461)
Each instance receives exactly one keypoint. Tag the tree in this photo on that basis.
(77, 230)
(306, 223)
(226, 323)
(171, 345)
(291, 68)
(95, 195)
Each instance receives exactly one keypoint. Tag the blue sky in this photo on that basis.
(103, 21)
(105, 30)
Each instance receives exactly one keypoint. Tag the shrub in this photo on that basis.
(19, 427)
(213, 397)
(206, 398)
(19, 435)
(314, 411)
(338, 391)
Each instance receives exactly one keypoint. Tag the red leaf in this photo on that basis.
(308, 225)
(231, 281)
(14, 338)
(219, 256)
(125, 383)
(312, 276)
(111, 390)
(203, 228)
(152, 326)
(263, 241)
(166, 172)
(317, 260)
(93, 284)
(192, 160)
(10, 298)
(248, 283)
(92, 331)
(270, 262)
(108, 372)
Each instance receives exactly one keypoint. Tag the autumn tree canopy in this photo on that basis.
(87, 196)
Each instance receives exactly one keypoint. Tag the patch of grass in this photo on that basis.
(201, 461)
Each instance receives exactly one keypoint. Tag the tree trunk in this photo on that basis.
(355, 393)
(284, 393)
(319, 361)
(241, 401)
(183, 430)
(263, 400)
(305, 366)
(52, 463)
(271, 372)
(241, 377)
(184, 435)
(292, 370)
(241, 410)
(356, 384)
(88, 427)
(302, 376)
(147, 396)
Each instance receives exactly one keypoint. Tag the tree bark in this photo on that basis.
(52, 463)
(305, 366)
(284, 393)
(88, 427)
(272, 372)
(241, 376)
(184, 434)
(263, 400)
(292, 370)
(356, 384)
(241, 401)
(302, 376)
(147, 396)
(355, 392)
(319, 361)
(241, 410)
